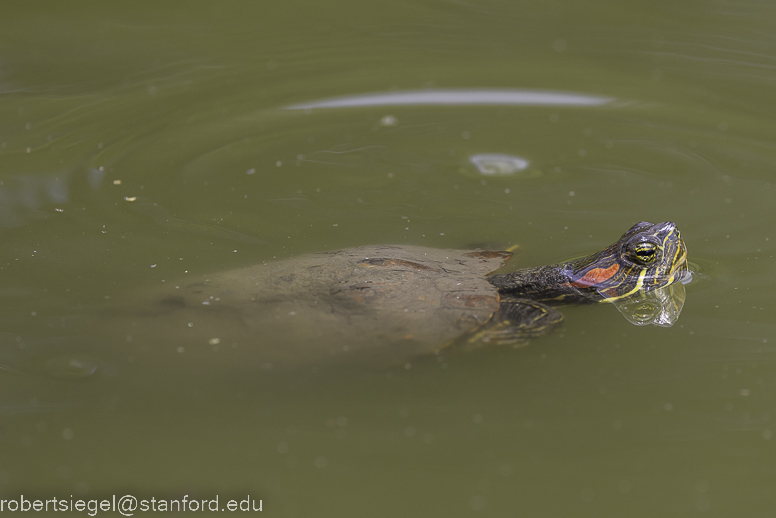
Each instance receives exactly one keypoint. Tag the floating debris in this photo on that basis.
(495, 164)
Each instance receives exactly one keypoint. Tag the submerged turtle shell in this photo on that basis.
(373, 304)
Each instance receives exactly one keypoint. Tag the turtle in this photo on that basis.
(387, 304)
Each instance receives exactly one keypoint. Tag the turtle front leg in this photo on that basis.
(516, 322)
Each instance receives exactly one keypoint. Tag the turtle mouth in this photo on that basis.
(679, 268)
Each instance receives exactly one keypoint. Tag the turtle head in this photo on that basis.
(648, 256)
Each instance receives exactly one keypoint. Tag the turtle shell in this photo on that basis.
(371, 304)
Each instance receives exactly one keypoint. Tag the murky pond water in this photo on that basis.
(145, 145)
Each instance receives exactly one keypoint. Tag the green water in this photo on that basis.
(141, 144)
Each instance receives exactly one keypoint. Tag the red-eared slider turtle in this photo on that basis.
(387, 304)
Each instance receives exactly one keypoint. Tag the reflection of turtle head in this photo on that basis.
(648, 256)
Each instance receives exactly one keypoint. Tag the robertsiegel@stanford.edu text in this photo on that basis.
(126, 505)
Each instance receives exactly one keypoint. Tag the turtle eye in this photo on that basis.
(645, 252)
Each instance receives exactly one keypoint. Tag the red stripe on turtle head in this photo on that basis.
(596, 277)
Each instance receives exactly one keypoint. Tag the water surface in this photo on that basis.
(146, 144)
